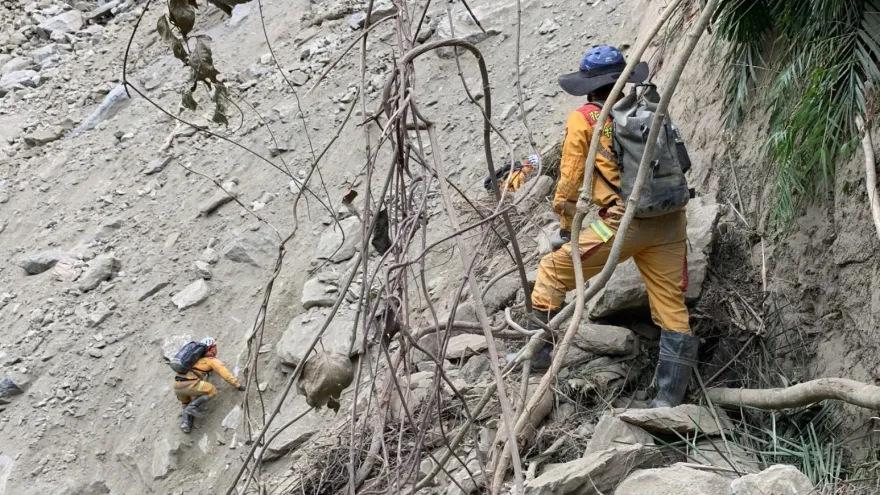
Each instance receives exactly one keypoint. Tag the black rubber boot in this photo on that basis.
(193, 408)
(678, 356)
(186, 422)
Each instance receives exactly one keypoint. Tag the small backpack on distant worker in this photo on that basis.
(187, 357)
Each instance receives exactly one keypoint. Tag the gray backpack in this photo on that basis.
(666, 189)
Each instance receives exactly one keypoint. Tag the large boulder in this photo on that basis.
(595, 473)
(612, 432)
(626, 290)
(466, 345)
(675, 480)
(593, 340)
(780, 479)
(502, 293)
(315, 295)
(102, 268)
(340, 242)
(684, 419)
(338, 338)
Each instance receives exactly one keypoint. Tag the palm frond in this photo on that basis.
(826, 77)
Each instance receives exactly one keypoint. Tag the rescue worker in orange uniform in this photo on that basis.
(193, 388)
(657, 245)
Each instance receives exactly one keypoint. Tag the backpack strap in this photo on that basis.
(591, 111)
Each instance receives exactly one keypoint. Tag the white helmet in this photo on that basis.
(208, 341)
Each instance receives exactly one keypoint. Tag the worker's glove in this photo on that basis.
(559, 239)
(241, 388)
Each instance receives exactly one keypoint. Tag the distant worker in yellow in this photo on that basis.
(656, 239)
(193, 363)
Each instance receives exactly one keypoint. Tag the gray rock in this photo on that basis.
(210, 256)
(357, 20)
(535, 191)
(6, 465)
(475, 369)
(780, 479)
(467, 481)
(219, 198)
(165, 457)
(626, 290)
(684, 419)
(502, 293)
(715, 453)
(315, 295)
(156, 165)
(93, 488)
(45, 52)
(40, 262)
(612, 432)
(464, 27)
(381, 10)
(44, 136)
(592, 340)
(8, 388)
(466, 345)
(254, 248)
(115, 101)
(548, 26)
(298, 77)
(68, 22)
(598, 472)
(100, 269)
(675, 480)
(103, 11)
(152, 289)
(337, 339)
(8, 358)
(24, 78)
(202, 269)
(335, 246)
(96, 317)
(15, 65)
(192, 295)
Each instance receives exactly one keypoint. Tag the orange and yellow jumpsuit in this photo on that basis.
(657, 245)
(194, 383)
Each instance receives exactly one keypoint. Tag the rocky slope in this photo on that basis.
(120, 243)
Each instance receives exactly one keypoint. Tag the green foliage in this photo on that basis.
(822, 60)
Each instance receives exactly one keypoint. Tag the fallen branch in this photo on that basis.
(802, 394)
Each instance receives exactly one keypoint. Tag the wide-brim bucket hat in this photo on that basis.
(601, 66)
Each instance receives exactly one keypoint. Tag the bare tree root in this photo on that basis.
(870, 171)
(802, 394)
